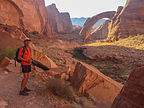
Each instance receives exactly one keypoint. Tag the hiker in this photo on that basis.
(25, 56)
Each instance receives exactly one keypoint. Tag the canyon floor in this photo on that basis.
(114, 59)
(65, 50)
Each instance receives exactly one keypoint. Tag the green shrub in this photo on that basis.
(60, 88)
(35, 32)
(78, 53)
(98, 67)
(7, 52)
(78, 50)
(1, 24)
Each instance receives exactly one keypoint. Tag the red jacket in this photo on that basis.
(26, 55)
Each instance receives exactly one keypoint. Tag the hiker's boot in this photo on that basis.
(23, 93)
(27, 90)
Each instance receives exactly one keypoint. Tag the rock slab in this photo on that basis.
(88, 80)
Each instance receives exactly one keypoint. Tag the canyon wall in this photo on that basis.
(60, 22)
(128, 20)
(132, 94)
(29, 15)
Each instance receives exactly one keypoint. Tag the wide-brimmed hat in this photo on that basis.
(27, 39)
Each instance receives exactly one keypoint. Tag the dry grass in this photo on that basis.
(7, 52)
(132, 42)
(60, 88)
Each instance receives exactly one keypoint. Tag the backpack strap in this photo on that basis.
(22, 55)
(23, 50)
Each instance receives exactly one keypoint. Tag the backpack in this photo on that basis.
(16, 57)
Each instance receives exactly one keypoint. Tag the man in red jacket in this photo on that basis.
(26, 66)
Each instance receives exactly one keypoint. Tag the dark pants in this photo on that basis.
(26, 68)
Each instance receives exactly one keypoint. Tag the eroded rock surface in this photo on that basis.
(128, 20)
(87, 80)
(60, 22)
(131, 95)
(30, 15)
(86, 30)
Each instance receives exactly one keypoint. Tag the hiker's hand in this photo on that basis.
(28, 61)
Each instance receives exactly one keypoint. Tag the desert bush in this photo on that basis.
(7, 52)
(85, 102)
(78, 53)
(1, 24)
(60, 88)
(35, 32)
(98, 67)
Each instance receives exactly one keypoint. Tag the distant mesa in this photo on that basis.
(82, 20)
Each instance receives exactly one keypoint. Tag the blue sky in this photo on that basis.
(86, 8)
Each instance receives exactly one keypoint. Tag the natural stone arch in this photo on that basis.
(86, 30)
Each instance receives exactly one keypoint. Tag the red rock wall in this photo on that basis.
(130, 21)
(60, 22)
(132, 94)
(30, 15)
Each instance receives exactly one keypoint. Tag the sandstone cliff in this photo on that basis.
(128, 21)
(60, 22)
(132, 96)
(30, 15)
(101, 32)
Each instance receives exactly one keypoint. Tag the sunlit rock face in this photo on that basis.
(30, 15)
(128, 20)
(60, 22)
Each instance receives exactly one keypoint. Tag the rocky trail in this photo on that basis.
(10, 98)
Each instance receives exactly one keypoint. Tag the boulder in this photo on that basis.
(132, 94)
(5, 62)
(89, 81)
(12, 68)
(40, 57)
(127, 21)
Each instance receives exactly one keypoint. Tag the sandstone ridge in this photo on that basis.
(60, 22)
(88, 81)
(127, 21)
